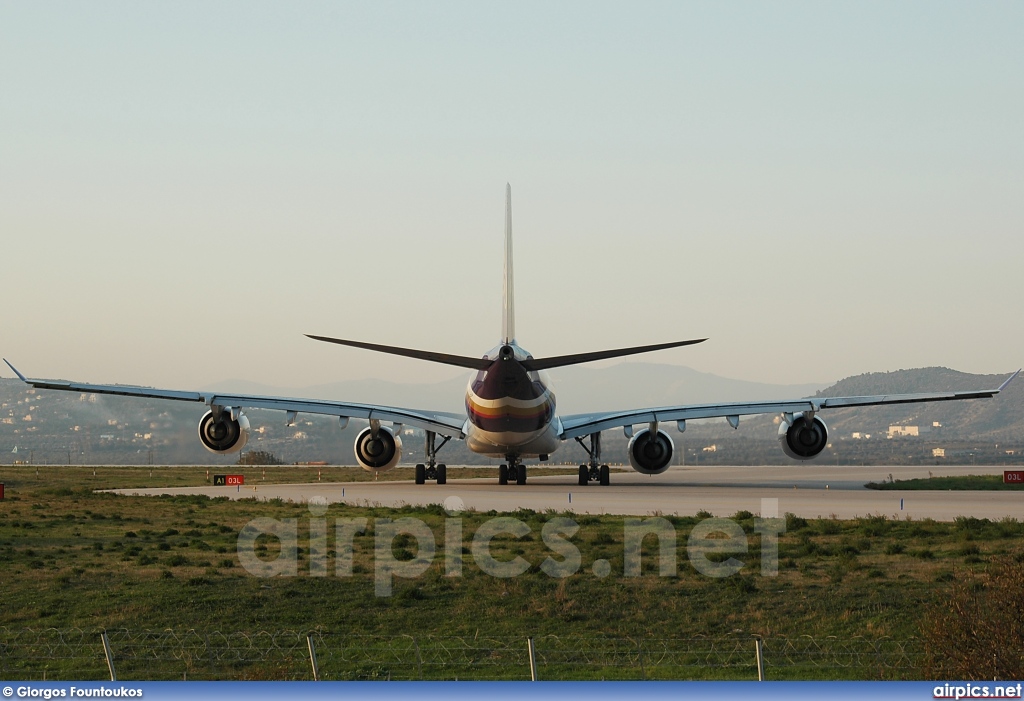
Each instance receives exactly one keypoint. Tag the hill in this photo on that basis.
(999, 419)
(578, 389)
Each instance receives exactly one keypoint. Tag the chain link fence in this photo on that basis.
(66, 654)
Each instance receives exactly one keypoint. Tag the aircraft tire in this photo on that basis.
(442, 474)
(503, 474)
(521, 474)
(421, 472)
(605, 476)
(584, 475)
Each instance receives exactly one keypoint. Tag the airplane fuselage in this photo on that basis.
(511, 410)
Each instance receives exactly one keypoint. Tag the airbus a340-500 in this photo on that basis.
(511, 410)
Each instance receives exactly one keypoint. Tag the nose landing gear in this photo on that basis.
(514, 470)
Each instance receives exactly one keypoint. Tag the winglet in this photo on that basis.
(1001, 387)
(20, 376)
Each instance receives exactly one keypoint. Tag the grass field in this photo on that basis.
(988, 483)
(75, 558)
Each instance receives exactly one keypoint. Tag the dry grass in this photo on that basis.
(75, 557)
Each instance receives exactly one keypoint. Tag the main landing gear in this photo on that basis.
(592, 471)
(514, 470)
(432, 470)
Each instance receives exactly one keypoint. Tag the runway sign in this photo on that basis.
(1013, 477)
(1, 490)
(228, 480)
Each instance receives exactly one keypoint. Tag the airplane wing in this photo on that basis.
(443, 423)
(583, 424)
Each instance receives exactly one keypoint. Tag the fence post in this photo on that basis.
(760, 659)
(419, 658)
(312, 657)
(209, 657)
(533, 658)
(109, 654)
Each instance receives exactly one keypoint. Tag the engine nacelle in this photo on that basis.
(380, 453)
(650, 455)
(803, 439)
(224, 435)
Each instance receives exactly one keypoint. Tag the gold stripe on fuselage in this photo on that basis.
(506, 406)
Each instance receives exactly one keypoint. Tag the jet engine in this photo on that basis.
(650, 455)
(225, 434)
(378, 453)
(804, 438)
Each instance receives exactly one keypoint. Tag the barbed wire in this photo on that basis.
(75, 653)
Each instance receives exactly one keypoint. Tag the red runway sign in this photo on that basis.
(228, 480)
(1013, 477)
(1, 490)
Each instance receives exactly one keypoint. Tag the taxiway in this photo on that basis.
(810, 491)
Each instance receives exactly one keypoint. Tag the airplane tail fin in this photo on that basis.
(508, 311)
(508, 329)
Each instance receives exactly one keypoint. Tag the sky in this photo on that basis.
(820, 188)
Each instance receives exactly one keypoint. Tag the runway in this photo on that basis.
(809, 491)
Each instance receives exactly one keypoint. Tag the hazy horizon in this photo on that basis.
(821, 190)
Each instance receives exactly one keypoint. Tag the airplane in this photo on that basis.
(511, 410)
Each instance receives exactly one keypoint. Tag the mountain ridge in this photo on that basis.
(578, 389)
